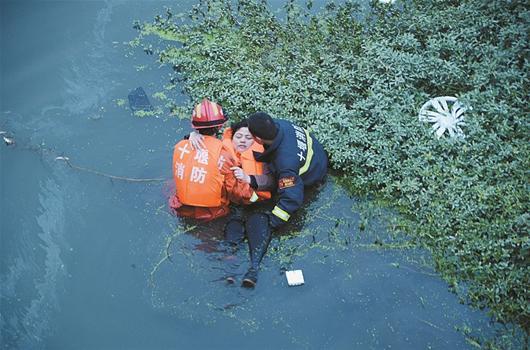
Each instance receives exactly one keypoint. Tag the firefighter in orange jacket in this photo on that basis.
(203, 179)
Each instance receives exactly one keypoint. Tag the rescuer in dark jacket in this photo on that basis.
(294, 156)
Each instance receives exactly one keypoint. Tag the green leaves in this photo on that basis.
(358, 86)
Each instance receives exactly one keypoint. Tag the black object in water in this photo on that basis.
(138, 100)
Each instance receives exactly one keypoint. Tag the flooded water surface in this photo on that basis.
(93, 262)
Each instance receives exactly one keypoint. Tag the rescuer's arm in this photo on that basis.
(291, 195)
(263, 182)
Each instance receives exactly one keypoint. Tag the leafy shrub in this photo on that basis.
(357, 84)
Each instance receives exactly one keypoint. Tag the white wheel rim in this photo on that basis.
(446, 113)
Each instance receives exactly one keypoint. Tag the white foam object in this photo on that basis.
(295, 277)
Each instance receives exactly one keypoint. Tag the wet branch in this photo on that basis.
(167, 254)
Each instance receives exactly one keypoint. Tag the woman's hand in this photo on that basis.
(240, 174)
(196, 140)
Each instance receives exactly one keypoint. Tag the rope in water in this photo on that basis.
(114, 177)
(10, 141)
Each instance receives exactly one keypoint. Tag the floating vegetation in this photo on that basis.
(357, 86)
(160, 96)
(155, 112)
(187, 277)
(121, 102)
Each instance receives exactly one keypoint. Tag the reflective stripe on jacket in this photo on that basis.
(297, 160)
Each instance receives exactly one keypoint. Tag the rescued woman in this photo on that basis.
(250, 174)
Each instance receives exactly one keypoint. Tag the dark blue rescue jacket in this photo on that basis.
(296, 159)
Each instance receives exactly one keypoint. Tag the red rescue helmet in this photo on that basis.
(207, 114)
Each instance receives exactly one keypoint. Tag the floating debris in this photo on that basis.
(294, 277)
(138, 100)
(7, 139)
(445, 118)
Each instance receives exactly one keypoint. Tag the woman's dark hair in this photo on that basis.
(238, 125)
(262, 125)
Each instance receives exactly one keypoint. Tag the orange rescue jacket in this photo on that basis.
(197, 174)
(246, 161)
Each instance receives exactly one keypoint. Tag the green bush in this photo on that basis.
(357, 80)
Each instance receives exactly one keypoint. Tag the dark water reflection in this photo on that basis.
(79, 253)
